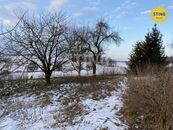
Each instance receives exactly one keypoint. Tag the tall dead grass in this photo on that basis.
(148, 102)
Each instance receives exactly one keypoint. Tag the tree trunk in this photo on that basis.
(99, 58)
(79, 73)
(48, 77)
(94, 68)
(94, 64)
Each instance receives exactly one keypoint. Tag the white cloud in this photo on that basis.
(7, 21)
(170, 7)
(123, 9)
(8, 10)
(84, 10)
(125, 28)
(56, 4)
(78, 14)
(93, 2)
(120, 14)
(24, 5)
(88, 9)
(145, 12)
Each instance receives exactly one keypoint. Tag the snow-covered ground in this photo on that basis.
(119, 68)
(46, 111)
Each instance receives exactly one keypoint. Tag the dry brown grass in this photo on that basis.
(70, 92)
(148, 102)
(45, 101)
(36, 86)
(72, 106)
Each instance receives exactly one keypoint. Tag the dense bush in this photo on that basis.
(148, 102)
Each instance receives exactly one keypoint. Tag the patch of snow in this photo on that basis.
(170, 65)
(103, 113)
(8, 124)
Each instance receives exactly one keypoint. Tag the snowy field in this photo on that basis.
(71, 107)
(118, 68)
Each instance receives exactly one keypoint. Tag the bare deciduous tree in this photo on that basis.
(31, 67)
(78, 49)
(5, 63)
(40, 40)
(99, 38)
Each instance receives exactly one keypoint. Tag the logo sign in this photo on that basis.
(159, 14)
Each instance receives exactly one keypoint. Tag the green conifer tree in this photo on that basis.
(150, 51)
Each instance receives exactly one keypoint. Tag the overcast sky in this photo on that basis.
(131, 18)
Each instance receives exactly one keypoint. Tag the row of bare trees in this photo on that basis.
(50, 40)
